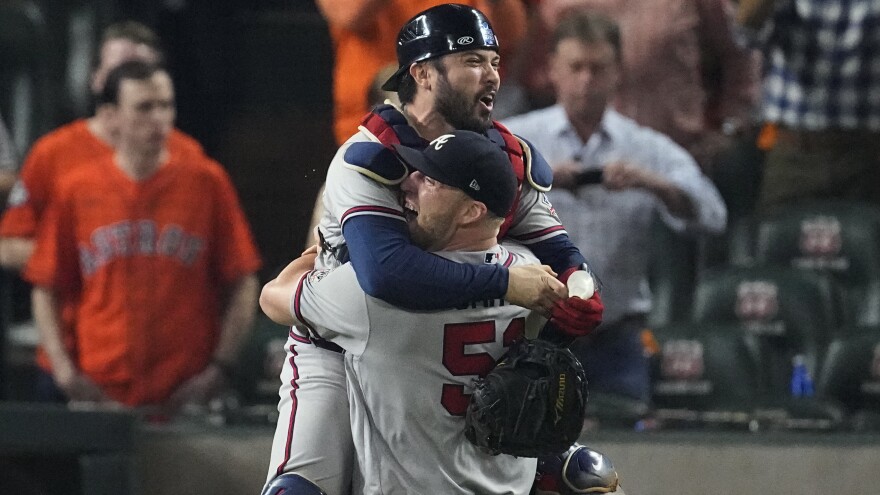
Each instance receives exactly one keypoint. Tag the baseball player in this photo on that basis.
(447, 80)
(156, 251)
(409, 372)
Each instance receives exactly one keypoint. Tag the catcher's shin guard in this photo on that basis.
(291, 484)
(580, 469)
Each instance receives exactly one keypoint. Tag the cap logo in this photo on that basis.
(474, 185)
(465, 40)
(440, 141)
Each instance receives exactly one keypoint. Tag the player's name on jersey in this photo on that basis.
(485, 303)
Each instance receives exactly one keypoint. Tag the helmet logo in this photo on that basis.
(440, 141)
(465, 40)
(487, 34)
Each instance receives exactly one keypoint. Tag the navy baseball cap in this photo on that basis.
(468, 161)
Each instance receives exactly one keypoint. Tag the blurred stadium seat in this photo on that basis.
(706, 367)
(671, 273)
(841, 239)
(851, 372)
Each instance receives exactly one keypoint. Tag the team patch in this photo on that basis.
(18, 195)
(546, 201)
(316, 275)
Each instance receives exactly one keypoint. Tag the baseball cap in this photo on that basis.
(468, 161)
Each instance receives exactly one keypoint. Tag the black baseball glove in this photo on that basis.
(531, 404)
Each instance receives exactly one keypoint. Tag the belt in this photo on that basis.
(326, 344)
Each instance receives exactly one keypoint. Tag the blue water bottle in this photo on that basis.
(801, 381)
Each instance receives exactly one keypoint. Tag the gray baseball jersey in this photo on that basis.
(313, 437)
(409, 375)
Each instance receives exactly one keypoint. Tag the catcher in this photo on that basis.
(410, 373)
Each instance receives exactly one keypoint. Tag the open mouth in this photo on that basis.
(488, 100)
(409, 211)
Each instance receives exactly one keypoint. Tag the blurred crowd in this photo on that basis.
(716, 162)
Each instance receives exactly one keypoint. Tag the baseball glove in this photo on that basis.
(531, 404)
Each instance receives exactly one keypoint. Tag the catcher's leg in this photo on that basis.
(580, 469)
(313, 434)
(291, 484)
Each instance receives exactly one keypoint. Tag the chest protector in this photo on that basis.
(386, 125)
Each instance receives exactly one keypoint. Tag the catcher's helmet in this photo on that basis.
(437, 31)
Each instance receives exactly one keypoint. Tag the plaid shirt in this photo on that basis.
(823, 65)
(613, 228)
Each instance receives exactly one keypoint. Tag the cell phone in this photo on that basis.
(587, 177)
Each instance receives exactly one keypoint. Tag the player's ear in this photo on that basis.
(475, 211)
(419, 73)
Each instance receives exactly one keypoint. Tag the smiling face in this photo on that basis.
(432, 209)
(465, 85)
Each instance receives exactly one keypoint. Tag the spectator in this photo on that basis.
(8, 162)
(364, 34)
(821, 98)
(684, 72)
(76, 143)
(63, 150)
(154, 248)
(643, 173)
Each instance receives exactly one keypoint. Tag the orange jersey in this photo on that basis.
(54, 154)
(50, 157)
(149, 262)
(358, 58)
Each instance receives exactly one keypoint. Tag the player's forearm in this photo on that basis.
(237, 320)
(275, 296)
(44, 307)
(558, 252)
(390, 268)
(15, 252)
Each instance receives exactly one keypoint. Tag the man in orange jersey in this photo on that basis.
(364, 36)
(60, 151)
(154, 247)
(77, 142)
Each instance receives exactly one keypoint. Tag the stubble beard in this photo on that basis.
(458, 109)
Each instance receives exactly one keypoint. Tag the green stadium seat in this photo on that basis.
(706, 367)
(851, 372)
(838, 238)
(671, 272)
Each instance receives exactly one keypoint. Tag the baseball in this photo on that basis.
(580, 284)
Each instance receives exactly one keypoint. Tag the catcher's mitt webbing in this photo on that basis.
(531, 404)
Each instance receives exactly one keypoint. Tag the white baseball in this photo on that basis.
(580, 284)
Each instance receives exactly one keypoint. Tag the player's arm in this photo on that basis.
(276, 294)
(361, 193)
(390, 268)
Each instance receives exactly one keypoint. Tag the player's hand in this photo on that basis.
(78, 387)
(534, 287)
(200, 388)
(576, 317)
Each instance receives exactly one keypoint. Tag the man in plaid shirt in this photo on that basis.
(821, 96)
